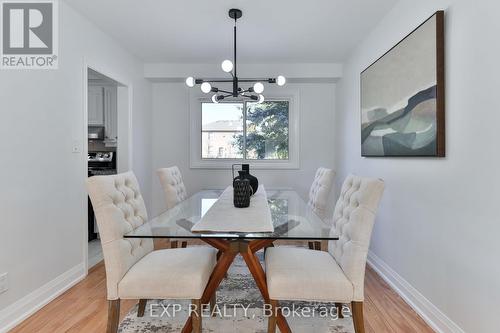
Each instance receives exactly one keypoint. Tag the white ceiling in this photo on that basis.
(200, 31)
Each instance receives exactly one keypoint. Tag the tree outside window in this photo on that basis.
(265, 135)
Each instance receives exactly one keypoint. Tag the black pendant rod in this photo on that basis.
(235, 73)
(235, 76)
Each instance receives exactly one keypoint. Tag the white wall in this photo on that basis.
(438, 223)
(41, 198)
(171, 140)
(313, 72)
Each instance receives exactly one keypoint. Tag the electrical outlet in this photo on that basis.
(4, 283)
(75, 148)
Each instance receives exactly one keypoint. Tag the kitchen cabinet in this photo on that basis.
(102, 111)
(95, 106)
(110, 116)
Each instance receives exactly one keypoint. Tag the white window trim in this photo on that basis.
(293, 162)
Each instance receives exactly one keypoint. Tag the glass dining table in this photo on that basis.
(292, 219)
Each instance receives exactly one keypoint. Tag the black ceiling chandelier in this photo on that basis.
(228, 66)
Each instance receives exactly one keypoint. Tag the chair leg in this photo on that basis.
(113, 316)
(184, 244)
(271, 321)
(357, 317)
(174, 244)
(339, 309)
(196, 315)
(142, 307)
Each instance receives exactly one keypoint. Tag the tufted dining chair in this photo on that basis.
(318, 196)
(175, 192)
(299, 274)
(133, 269)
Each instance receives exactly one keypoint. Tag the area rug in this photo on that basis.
(239, 309)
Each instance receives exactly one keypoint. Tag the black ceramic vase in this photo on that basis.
(244, 173)
(241, 193)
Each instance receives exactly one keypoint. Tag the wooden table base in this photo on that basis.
(228, 250)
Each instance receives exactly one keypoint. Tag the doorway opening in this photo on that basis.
(107, 143)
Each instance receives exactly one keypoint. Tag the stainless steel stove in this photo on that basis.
(99, 164)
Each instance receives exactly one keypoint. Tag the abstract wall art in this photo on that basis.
(402, 96)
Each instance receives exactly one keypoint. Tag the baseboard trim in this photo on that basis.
(428, 311)
(94, 260)
(15, 313)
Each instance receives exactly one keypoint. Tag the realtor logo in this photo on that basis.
(29, 34)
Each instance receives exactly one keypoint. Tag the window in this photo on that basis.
(221, 130)
(264, 136)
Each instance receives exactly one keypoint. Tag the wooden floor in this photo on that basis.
(83, 308)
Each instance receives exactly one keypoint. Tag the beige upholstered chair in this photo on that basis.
(299, 274)
(318, 196)
(175, 191)
(320, 190)
(133, 269)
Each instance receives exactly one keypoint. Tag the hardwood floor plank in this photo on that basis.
(83, 308)
(374, 319)
(399, 315)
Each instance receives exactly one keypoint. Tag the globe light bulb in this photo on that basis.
(214, 99)
(190, 82)
(258, 87)
(261, 98)
(280, 80)
(227, 66)
(206, 87)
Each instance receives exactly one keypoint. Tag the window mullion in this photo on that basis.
(244, 130)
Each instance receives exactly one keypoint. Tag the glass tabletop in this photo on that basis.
(292, 219)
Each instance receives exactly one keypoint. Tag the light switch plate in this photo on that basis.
(4, 283)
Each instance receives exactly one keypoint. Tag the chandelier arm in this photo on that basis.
(225, 91)
(199, 81)
(271, 80)
(254, 97)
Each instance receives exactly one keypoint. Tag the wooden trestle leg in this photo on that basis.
(228, 251)
(259, 276)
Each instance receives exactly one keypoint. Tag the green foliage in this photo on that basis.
(267, 130)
